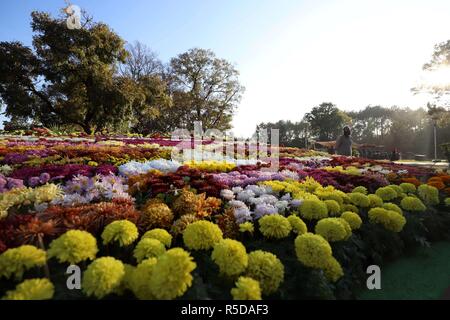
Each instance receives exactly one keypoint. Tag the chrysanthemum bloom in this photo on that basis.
(102, 277)
(447, 202)
(73, 247)
(313, 209)
(186, 203)
(15, 261)
(346, 226)
(122, 231)
(386, 193)
(333, 270)
(412, 204)
(246, 289)
(438, 184)
(201, 235)
(231, 257)
(360, 189)
(31, 289)
(393, 207)
(396, 188)
(180, 224)
(267, 269)
(429, 194)
(350, 207)
(353, 219)
(335, 195)
(391, 220)
(359, 199)
(246, 227)
(127, 279)
(331, 229)
(159, 234)
(375, 201)
(274, 226)
(139, 279)
(334, 209)
(312, 250)
(297, 224)
(408, 187)
(148, 248)
(156, 214)
(171, 276)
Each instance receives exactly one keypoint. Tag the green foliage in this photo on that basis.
(69, 77)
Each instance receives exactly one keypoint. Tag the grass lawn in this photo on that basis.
(424, 275)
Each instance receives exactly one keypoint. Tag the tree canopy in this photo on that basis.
(69, 77)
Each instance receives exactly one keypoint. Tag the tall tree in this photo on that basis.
(205, 88)
(69, 77)
(437, 83)
(326, 121)
(141, 62)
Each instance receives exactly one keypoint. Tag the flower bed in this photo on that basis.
(140, 225)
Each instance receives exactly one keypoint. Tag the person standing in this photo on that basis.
(344, 143)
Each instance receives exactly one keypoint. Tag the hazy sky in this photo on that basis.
(292, 55)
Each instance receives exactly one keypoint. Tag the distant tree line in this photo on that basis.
(404, 129)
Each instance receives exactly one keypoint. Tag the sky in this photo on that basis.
(291, 55)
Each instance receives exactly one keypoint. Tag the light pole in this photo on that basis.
(435, 139)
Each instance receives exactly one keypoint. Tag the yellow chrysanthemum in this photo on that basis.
(346, 225)
(393, 207)
(331, 195)
(408, 187)
(15, 261)
(140, 277)
(353, 219)
(73, 247)
(171, 276)
(334, 209)
(333, 270)
(246, 227)
(360, 189)
(102, 277)
(31, 289)
(391, 220)
(297, 224)
(127, 279)
(274, 226)
(359, 199)
(375, 201)
(447, 202)
(122, 231)
(331, 229)
(312, 250)
(246, 289)
(201, 235)
(412, 204)
(148, 248)
(386, 193)
(429, 194)
(350, 207)
(267, 269)
(159, 234)
(231, 257)
(313, 209)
